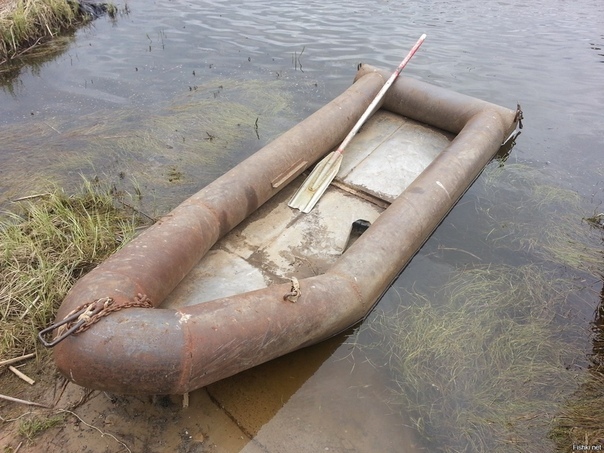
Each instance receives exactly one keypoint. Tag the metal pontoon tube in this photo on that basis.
(175, 351)
(436, 106)
(167, 351)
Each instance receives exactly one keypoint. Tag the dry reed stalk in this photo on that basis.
(20, 401)
(17, 359)
(22, 375)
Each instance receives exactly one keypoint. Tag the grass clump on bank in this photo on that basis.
(581, 420)
(25, 23)
(31, 427)
(45, 247)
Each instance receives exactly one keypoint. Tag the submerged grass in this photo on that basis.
(485, 370)
(494, 359)
(581, 420)
(199, 134)
(560, 232)
(44, 247)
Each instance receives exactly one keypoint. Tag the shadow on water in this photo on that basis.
(315, 399)
(33, 61)
(597, 357)
(309, 401)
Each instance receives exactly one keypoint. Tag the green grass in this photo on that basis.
(32, 427)
(32, 20)
(26, 23)
(45, 246)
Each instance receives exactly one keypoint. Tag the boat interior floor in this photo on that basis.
(277, 242)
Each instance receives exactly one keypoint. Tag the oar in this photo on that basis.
(325, 171)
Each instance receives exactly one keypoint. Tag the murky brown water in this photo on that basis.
(138, 102)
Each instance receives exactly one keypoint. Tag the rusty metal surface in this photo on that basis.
(161, 350)
(439, 107)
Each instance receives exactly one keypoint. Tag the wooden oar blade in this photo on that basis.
(309, 193)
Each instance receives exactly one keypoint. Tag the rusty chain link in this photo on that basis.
(91, 317)
(82, 317)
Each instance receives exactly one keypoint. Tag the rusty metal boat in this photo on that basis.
(233, 277)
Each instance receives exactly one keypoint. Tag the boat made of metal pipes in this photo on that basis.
(233, 277)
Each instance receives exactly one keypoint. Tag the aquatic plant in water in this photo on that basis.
(199, 134)
(494, 359)
(482, 364)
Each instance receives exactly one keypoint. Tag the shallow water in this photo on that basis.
(135, 100)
